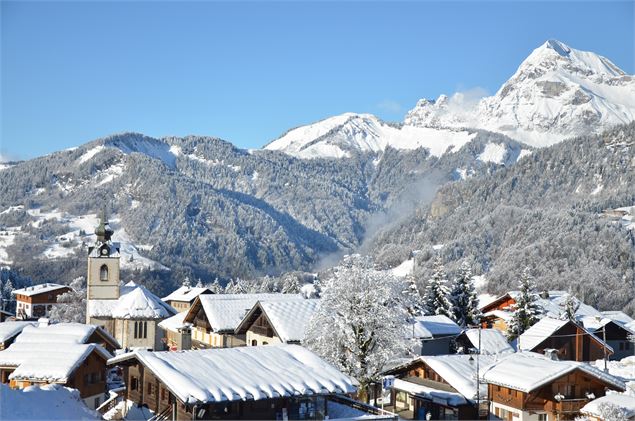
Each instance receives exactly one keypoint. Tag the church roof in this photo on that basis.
(135, 303)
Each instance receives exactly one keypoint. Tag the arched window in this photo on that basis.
(254, 342)
(103, 273)
(145, 330)
(136, 330)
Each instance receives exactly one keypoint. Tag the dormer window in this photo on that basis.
(103, 273)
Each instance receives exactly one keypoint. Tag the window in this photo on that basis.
(140, 330)
(136, 330)
(542, 417)
(103, 273)
(145, 330)
(254, 342)
(164, 394)
(265, 343)
(134, 383)
(150, 388)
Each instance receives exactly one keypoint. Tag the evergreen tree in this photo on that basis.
(526, 311)
(291, 284)
(435, 297)
(186, 282)
(216, 287)
(571, 305)
(412, 297)
(464, 299)
(5, 295)
(199, 283)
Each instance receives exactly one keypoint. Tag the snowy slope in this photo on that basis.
(339, 136)
(557, 92)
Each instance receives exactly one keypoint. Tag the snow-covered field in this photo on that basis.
(81, 232)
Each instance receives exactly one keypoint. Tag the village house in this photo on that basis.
(215, 317)
(441, 387)
(10, 330)
(5, 316)
(527, 386)
(271, 382)
(277, 321)
(604, 408)
(569, 339)
(69, 354)
(130, 313)
(36, 301)
(493, 342)
(613, 331)
(435, 335)
(182, 298)
(177, 334)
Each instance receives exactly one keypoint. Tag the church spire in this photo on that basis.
(103, 230)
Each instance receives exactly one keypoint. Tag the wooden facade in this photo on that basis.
(410, 406)
(34, 306)
(144, 388)
(576, 388)
(204, 336)
(573, 343)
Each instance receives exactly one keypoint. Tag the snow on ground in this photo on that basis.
(404, 269)
(523, 153)
(90, 153)
(598, 189)
(12, 209)
(437, 246)
(49, 402)
(111, 173)
(493, 152)
(7, 238)
(81, 230)
(334, 137)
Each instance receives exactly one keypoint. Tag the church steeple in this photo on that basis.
(103, 231)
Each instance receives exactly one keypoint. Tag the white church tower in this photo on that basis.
(103, 266)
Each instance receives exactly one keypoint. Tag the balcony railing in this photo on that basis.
(262, 330)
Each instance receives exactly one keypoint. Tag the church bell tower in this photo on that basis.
(103, 264)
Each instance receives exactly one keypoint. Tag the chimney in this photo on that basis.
(552, 354)
(186, 337)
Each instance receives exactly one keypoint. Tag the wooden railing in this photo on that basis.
(262, 330)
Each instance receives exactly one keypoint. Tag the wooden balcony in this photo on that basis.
(262, 330)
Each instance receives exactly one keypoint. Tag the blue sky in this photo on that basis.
(248, 71)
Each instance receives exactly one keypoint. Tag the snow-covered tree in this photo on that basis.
(186, 282)
(71, 306)
(236, 286)
(464, 299)
(199, 283)
(5, 294)
(435, 296)
(291, 284)
(412, 297)
(526, 310)
(360, 324)
(571, 305)
(216, 287)
(612, 412)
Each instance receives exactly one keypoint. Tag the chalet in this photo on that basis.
(493, 342)
(436, 334)
(178, 334)
(616, 333)
(569, 339)
(277, 321)
(183, 298)
(215, 317)
(5, 316)
(443, 387)
(58, 354)
(130, 313)
(530, 386)
(36, 301)
(597, 409)
(10, 330)
(497, 313)
(271, 382)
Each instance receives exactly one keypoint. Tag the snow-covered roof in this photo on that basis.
(77, 333)
(173, 323)
(618, 316)
(289, 318)
(426, 327)
(141, 304)
(10, 329)
(494, 342)
(47, 402)
(136, 303)
(231, 374)
(225, 311)
(527, 371)
(501, 314)
(459, 371)
(546, 327)
(47, 361)
(38, 289)
(50, 352)
(622, 401)
(450, 398)
(185, 293)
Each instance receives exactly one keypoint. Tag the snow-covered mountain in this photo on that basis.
(339, 136)
(556, 93)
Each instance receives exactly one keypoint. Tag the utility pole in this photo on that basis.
(478, 374)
